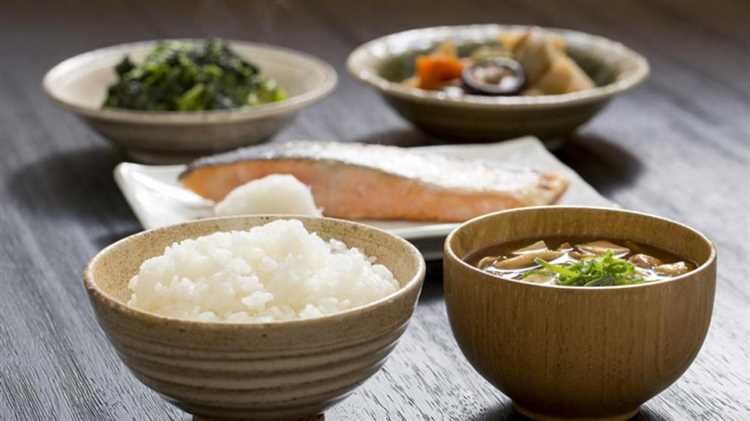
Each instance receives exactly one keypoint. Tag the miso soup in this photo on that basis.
(579, 262)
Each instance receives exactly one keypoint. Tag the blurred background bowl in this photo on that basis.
(79, 84)
(593, 353)
(384, 62)
(261, 371)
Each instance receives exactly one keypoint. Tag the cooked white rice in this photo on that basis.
(278, 271)
(273, 194)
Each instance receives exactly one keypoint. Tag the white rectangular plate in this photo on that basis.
(158, 199)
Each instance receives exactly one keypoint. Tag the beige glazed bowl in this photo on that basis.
(565, 353)
(79, 84)
(272, 371)
(384, 62)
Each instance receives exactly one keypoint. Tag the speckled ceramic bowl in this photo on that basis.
(577, 353)
(79, 84)
(272, 371)
(384, 62)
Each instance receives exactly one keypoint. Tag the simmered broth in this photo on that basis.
(579, 262)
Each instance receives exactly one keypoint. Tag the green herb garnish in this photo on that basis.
(591, 271)
(185, 76)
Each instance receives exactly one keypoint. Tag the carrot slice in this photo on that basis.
(434, 71)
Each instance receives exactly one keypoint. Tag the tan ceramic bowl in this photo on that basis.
(572, 352)
(384, 62)
(278, 371)
(79, 84)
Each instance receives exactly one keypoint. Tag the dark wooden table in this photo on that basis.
(678, 147)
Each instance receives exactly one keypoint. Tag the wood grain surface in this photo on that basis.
(589, 353)
(679, 147)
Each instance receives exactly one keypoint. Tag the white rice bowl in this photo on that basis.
(272, 194)
(275, 272)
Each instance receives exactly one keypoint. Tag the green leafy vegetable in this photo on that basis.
(182, 76)
(601, 270)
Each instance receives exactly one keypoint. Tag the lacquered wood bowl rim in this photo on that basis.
(450, 254)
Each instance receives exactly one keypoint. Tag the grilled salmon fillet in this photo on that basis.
(359, 181)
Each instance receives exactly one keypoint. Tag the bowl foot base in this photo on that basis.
(545, 417)
(319, 417)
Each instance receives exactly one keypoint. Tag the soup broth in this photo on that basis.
(579, 262)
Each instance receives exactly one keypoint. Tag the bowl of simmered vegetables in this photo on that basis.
(173, 100)
(490, 82)
(575, 312)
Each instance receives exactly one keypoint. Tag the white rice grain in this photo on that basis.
(278, 271)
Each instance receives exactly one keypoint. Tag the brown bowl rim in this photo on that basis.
(97, 293)
(450, 254)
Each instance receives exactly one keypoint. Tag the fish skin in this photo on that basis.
(361, 181)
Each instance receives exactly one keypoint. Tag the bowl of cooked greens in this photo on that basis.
(490, 82)
(575, 312)
(171, 100)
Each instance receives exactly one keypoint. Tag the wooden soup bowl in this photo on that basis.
(593, 353)
(286, 370)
